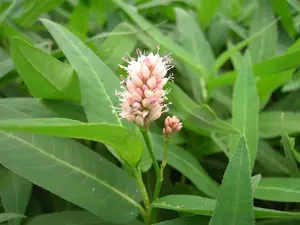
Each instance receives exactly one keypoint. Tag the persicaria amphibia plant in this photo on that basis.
(143, 100)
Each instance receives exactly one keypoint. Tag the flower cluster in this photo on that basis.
(172, 125)
(142, 96)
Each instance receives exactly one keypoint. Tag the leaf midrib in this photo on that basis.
(124, 196)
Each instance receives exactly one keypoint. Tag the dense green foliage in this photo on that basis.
(66, 156)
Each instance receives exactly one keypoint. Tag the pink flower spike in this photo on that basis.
(142, 96)
(172, 125)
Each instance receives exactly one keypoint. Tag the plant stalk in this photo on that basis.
(146, 214)
(162, 167)
(154, 161)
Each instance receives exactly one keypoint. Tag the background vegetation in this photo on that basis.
(235, 69)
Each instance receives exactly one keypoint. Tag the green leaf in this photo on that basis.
(289, 148)
(267, 85)
(205, 206)
(206, 11)
(187, 220)
(295, 4)
(6, 13)
(293, 84)
(200, 119)
(245, 108)
(255, 181)
(296, 154)
(263, 47)
(66, 168)
(10, 216)
(125, 143)
(65, 109)
(97, 82)
(271, 123)
(115, 47)
(222, 59)
(235, 203)
(261, 69)
(164, 41)
(79, 20)
(279, 222)
(24, 106)
(270, 159)
(185, 163)
(39, 69)
(66, 218)
(279, 189)
(35, 9)
(70, 218)
(15, 192)
(6, 64)
(281, 8)
(193, 40)
(74, 170)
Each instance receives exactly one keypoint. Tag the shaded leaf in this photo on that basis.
(35, 9)
(70, 218)
(164, 41)
(9, 216)
(185, 163)
(282, 10)
(205, 206)
(263, 47)
(15, 192)
(271, 123)
(206, 11)
(279, 189)
(289, 148)
(187, 220)
(200, 119)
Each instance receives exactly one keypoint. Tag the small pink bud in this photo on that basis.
(151, 82)
(137, 97)
(130, 117)
(172, 125)
(137, 82)
(145, 87)
(130, 86)
(145, 113)
(146, 102)
(136, 105)
(148, 93)
(140, 92)
(139, 121)
(145, 72)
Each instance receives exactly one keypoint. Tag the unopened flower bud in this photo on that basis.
(172, 125)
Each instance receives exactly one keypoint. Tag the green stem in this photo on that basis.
(146, 214)
(162, 167)
(154, 161)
